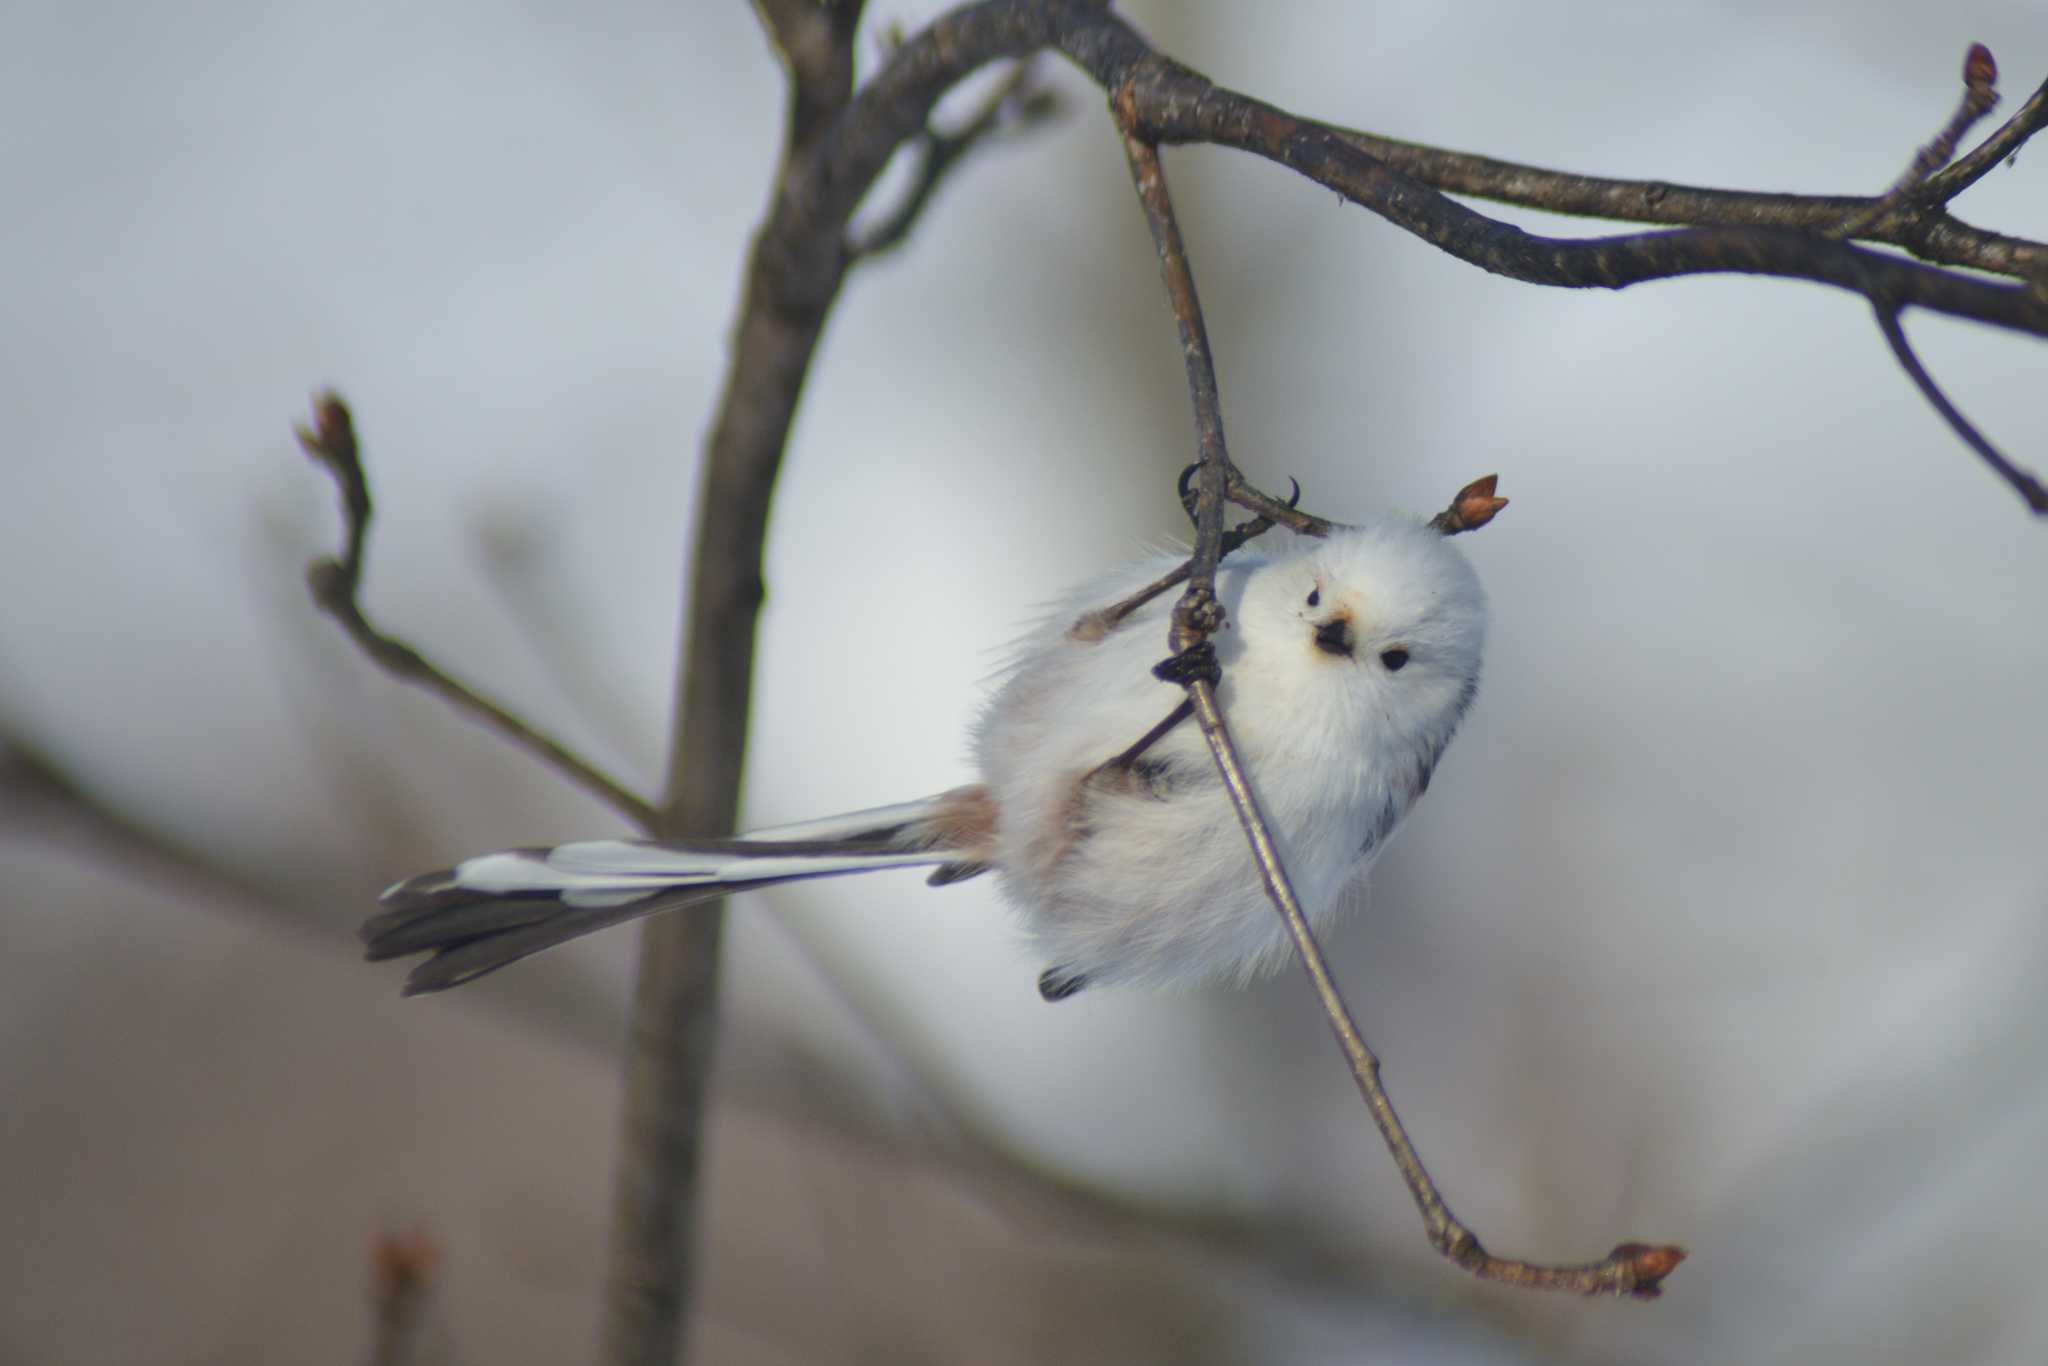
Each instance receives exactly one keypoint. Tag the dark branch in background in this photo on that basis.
(675, 994)
(331, 441)
(35, 785)
(1632, 1269)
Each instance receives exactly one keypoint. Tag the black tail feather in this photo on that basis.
(470, 938)
(445, 921)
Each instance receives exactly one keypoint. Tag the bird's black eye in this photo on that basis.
(1315, 595)
(1393, 658)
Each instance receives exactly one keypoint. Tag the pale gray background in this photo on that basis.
(1724, 921)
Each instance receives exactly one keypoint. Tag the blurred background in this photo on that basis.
(1723, 923)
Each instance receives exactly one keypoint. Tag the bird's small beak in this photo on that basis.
(1333, 637)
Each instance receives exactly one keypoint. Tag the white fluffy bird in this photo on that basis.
(1347, 664)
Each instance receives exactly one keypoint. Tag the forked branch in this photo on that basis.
(1726, 232)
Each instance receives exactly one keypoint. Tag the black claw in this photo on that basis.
(1196, 664)
(1294, 494)
(1186, 489)
(948, 873)
(1057, 984)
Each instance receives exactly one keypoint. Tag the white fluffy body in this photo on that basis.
(1347, 665)
(1153, 881)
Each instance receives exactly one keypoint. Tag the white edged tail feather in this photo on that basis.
(493, 910)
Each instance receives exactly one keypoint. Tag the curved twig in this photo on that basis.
(331, 441)
(1018, 103)
(2023, 481)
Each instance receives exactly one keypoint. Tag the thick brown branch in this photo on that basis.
(1158, 100)
(331, 441)
(1931, 235)
(794, 272)
(1166, 102)
(1916, 224)
(1180, 106)
(815, 43)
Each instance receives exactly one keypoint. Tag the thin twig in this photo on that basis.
(1198, 613)
(1980, 94)
(331, 441)
(2004, 142)
(1632, 1269)
(1136, 750)
(1094, 625)
(2023, 481)
(1019, 102)
(1274, 512)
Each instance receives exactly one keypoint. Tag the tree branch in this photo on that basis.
(331, 441)
(2023, 481)
(1917, 224)
(1162, 101)
(1632, 1269)
(1018, 103)
(1180, 106)
(1980, 79)
(2006, 142)
(794, 271)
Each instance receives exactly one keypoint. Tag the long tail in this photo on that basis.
(487, 912)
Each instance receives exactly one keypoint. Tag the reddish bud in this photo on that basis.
(1980, 69)
(1650, 1264)
(1476, 505)
(402, 1263)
